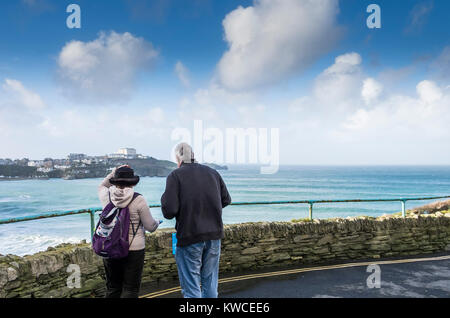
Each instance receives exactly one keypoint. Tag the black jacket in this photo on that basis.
(195, 195)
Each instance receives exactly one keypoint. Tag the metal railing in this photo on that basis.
(311, 203)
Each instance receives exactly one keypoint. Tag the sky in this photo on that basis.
(138, 71)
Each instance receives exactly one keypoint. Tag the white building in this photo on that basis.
(61, 167)
(35, 163)
(125, 153)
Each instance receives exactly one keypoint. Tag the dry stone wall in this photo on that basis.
(248, 246)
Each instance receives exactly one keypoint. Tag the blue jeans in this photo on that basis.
(198, 269)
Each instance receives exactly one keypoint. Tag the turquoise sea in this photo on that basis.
(31, 197)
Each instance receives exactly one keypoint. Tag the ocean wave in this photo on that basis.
(20, 198)
(22, 245)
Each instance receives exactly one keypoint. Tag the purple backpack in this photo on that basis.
(110, 239)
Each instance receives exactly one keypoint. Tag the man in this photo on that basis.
(195, 195)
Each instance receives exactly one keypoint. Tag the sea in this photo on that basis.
(245, 184)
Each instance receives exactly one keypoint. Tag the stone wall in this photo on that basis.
(440, 206)
(245, 247)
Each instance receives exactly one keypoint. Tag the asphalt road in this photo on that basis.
(428, 279)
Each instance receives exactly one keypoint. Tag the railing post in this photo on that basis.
(404, 208)
(92, 214)
(310, 211)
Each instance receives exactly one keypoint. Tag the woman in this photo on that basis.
(123, 276)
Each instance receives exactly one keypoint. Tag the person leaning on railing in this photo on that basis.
(123, 276)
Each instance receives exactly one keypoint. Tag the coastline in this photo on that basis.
(22, 179)
(158, 174)
(69, 179)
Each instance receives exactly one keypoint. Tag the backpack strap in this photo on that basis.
(109, 196)
(134, 232)
(135, 195)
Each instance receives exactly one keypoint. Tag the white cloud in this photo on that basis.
(403, 118)
(354, 107)
(104, 70)
(349, 118)
(346, 118)
(220, 97)
(21, 95)
(20, 113)
(182, 73)
(341, 82)
(330, 124)
(371, 90)
(358, 120)
(218, 107)
(274, 39)
(428, 91)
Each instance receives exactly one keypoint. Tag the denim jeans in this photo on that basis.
(198, 269)
(123, 276)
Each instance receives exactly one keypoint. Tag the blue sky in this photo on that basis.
(192, 30)
(285, 75)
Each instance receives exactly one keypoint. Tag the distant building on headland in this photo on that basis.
(82, 166)
(35, 163)
(74, 160)
(127, 153)
(131, 152)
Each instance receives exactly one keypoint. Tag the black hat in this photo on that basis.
(124, 177)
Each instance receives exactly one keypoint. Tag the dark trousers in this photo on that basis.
(123, 276)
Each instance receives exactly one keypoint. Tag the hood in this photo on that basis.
(121, 198)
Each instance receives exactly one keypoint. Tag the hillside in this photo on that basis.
(143, 167)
